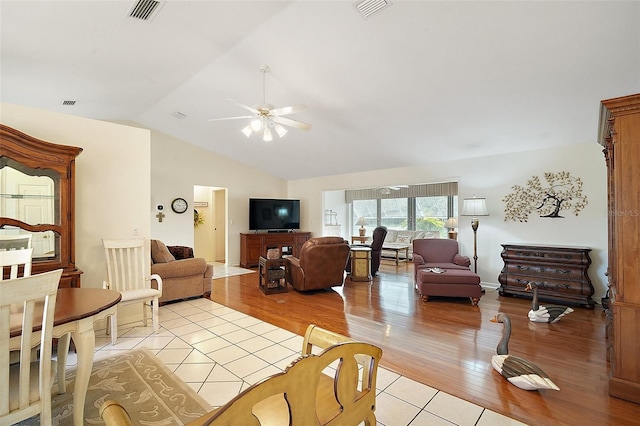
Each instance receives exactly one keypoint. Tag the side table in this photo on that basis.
(361, 240)
(271, 275)
(360, 263)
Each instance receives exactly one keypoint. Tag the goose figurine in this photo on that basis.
(516, 370)
(550, 314)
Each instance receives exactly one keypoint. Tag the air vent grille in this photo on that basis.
(145, 9)
(179, 115)
(369, 7)
(69, 103)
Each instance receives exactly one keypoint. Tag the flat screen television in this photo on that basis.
(273, 214)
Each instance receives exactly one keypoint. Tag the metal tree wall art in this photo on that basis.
(562, 192)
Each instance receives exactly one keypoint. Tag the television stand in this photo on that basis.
(252, 246)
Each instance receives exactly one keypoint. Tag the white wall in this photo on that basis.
(118, 188)
(177, 166)
(112, 179)
(492, 177)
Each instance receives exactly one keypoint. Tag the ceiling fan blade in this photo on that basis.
(288, 110)
(248, 108)
(292, 123)
(231, 118)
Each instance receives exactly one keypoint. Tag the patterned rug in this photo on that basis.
(151, 394)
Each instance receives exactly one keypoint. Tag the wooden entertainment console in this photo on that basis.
(254, 245)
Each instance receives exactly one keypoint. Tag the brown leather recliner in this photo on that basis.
(320, 264)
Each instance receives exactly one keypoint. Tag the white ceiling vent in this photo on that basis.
(179, 115)
(145, 9)
(69, 103)
(369, 7)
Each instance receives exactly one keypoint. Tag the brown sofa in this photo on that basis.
(183, 276)
(320, 264)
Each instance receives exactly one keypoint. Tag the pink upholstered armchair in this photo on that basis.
(432, 252)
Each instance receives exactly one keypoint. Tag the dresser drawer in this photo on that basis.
(561, 273)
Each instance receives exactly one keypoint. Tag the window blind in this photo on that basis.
(420, 190)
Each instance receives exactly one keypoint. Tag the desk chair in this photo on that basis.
(127, 273)
(27, 384)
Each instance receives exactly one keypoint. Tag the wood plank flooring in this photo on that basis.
(448, 343)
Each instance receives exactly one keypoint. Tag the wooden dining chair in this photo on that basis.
(18, 263)
(127, 273)
(297, 396)
(15, 242)
(27, 384)
(15, 263)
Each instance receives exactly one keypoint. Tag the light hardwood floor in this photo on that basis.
(448, 343)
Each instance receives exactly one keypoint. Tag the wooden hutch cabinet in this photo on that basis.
(37, 193)
(561, 273)
(620, 136)
(252, 246)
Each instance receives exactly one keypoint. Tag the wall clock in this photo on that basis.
(179, 205)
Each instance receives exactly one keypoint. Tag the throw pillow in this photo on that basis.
(404, 239)
(160, 253)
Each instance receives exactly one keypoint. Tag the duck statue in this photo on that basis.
(549, 313)
(516, 370)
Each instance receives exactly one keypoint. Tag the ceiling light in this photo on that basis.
(256, 124)
(280, 130)
(247, 130)
(267, 135)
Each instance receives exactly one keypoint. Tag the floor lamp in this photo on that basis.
(474, 207)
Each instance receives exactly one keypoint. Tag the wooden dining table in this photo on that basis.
(77, 309)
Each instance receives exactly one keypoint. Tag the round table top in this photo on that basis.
(72, 304)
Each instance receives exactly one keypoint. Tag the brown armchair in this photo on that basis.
(183, 276)
(440, 252)
(320, 264)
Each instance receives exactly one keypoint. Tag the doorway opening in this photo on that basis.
(210, 223)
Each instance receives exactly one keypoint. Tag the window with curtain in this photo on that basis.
(424, 207)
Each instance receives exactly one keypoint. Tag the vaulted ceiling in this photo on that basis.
(416, 82)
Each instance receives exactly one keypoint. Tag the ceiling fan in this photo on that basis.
(266, 117)
(386, 190)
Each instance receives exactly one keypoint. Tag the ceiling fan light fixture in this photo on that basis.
(247, 130)
(256, 124)
(280, 130)
(267, 137)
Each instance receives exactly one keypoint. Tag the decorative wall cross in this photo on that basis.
(160, 215)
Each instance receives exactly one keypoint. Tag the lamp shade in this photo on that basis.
(474, 207)
(452, 222)
(361, 221)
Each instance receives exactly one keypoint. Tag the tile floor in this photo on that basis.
(219, 352)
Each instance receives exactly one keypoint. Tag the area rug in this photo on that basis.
(151, 393)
